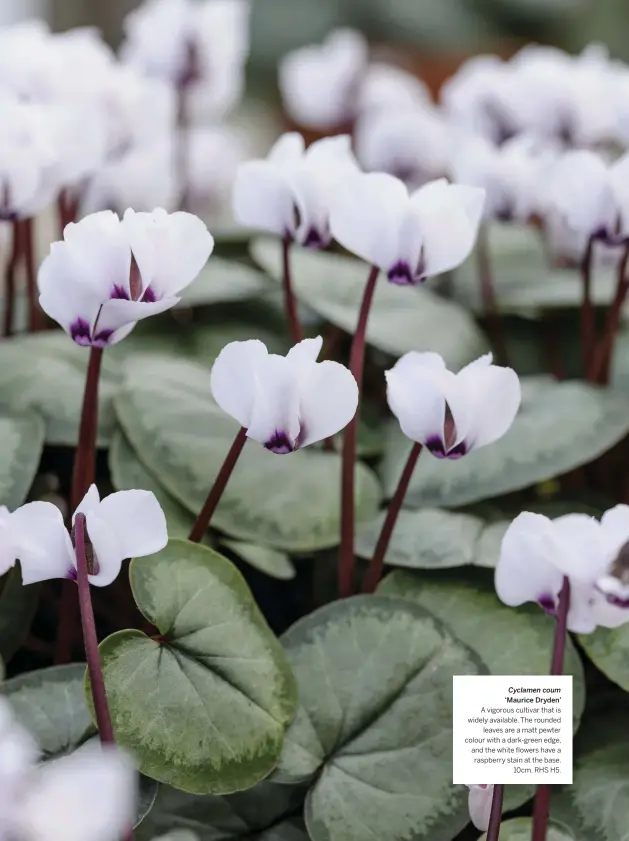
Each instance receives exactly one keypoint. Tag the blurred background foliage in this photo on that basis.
(443, 29)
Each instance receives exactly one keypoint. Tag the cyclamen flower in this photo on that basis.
(91, 793)
(537, 553)
(452, 414)
(386, 87)
(127, 524)
(290, 192)
(284, 403)
(479, 805)
(109, 273)
(410, 237)
(319, 83)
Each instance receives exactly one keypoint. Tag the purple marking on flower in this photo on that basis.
(314, 239)
(119, 293)
(149, 296)
(102, 338)
(72, 574)
(401, 275)
(80, 332)
(279, 444)
(436, 446)
(548, 604)
(617, 601)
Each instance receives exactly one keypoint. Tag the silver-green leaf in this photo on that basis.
(21, 445)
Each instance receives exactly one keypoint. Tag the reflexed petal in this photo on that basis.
(137, 520)
(262, 198)
(525, 571)
(479, 805)
(233, 378)
(615, 528)
(275, 415)
(494, 396)
(118, 313)
(288, 149)
(90, 502)
(583, 613)
(329, 400)
(63, 294)
(42, 541)
(108, 552)
(100, 246)
(91, 794)
(170, 249)
(605, 615)
(305, 352)
(366, 214)
(583, 556)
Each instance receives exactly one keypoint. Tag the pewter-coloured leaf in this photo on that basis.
(21, 445)
(223, 280)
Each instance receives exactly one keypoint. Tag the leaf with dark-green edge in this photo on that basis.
(511, 641)
(18, 605)
(608, 649)
(524, 282)
(224, 280)
(263, 558)
(519, 829)
(204, 708)
(50, 704)
(400, 320)
(560, 426)
(434, 539)
(21, 445)
(45, 372)
(265, 812)
(373, 731)
(182, 437)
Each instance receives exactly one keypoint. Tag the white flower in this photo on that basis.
(319, 83)
(144, 176)
(410, 143)
(91, 793)
(409, 237)
(109, 273)
(126, 524)
(479, 805)
(537, 553)
(473, 96)
(284, 403)
(289, 193)
(512, 174)
(200, 46)
(452, 414)
(213, 157)
(389, 88)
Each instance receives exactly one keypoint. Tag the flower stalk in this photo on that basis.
(290, 304)
(541, 806)
(600, 361)
(376, 565)
(488, 293)
(495, 816)
(202, 522)
(35, 320)
(348, 459)
(588, 337)
(9, 278)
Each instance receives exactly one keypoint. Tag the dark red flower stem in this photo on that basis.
(83, 475)
(600, 362)
(90, 638)
(9, 278)
(35, 314)
(202, 522)
(374, 573)
(290, 303)
(488, 294)
(348, 458)
(588, 332)
(67, 210)
(541, 806)
(495, 816)
(182, 161)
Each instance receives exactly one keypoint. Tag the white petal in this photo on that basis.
(305, 351)
(615, 528)
(329, 400)
(117, 314)
(108, 552)
(90, 502)
(275, 418)
(233, 378)
(288, 149)
(366, 214)
(43, 543)
(170, 248)
(479, 805)
(494, 396)
(64, 295)
(583, 556)
(262, 198)
(526, 571)
(90, 794)
(137, 520)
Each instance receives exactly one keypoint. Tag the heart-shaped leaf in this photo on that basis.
(560, 426)
(263, 558)
(289, 503)
(510, 641)
(373, 732)
(401, 319)
(21, 445)
(46, 372)
(519, 829)
(265, 812)
(204, 707)
(434, 539)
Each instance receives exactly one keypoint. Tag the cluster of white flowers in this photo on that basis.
(90, 794)
(76, 118)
